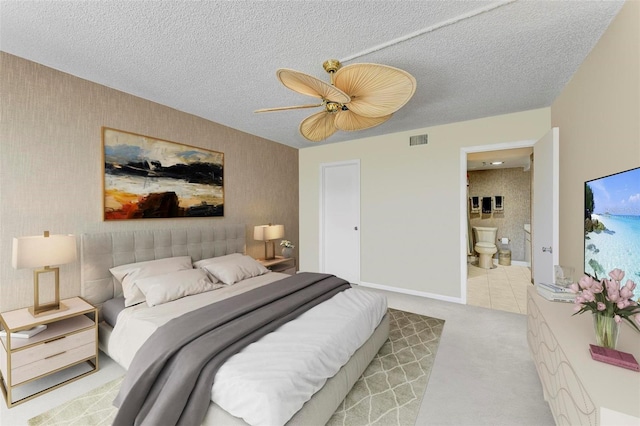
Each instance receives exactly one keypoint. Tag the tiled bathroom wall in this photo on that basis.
(515, 186)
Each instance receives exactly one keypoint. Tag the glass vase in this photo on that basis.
(607, 330)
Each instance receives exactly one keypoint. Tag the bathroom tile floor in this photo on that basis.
(503, 288)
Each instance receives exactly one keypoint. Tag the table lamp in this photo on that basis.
(268, 233)
(42, 252)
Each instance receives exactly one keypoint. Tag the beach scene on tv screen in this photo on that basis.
(612, 226)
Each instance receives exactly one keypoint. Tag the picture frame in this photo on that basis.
(150, 178)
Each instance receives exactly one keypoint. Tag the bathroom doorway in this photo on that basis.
(498, 199)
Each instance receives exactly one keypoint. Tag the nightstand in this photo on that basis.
(285, 265)
(71, 338)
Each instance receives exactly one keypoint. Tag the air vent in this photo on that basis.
(418, 140)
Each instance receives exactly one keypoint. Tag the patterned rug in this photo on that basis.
(91, 409)
(390, 390)
(388, 393)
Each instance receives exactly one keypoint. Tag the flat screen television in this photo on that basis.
(612, 226)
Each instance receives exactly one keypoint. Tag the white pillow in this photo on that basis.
(226, 258)
(161, 289)
(217, 259)
(234, 269)
(128, 274)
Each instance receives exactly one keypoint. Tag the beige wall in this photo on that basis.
(515, 185)
(410, 199)
(598, 114)
(50, 166)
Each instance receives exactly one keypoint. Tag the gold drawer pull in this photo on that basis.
(51, 356)
(55, 339)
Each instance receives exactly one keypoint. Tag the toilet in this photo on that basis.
(485, 245)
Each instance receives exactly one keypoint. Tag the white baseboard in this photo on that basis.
(414, 293)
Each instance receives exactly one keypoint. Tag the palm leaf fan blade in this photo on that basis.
(375, 90)
(348, 121)
(318, 127)
(287, 108)
(311, 86)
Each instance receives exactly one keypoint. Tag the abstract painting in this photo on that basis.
(145, 177)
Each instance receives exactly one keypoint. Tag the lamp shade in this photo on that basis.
(268, 232)
(39, 251)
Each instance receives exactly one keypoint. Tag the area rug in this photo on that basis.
(390, 390)
(388, 393)
(91, 409)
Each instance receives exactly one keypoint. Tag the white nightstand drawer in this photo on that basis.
(53, 362)
(56, 346)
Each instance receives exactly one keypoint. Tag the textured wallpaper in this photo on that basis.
(515, 186)
(51, 173)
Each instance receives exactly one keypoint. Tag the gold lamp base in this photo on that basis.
(48, 308)
(273, 250)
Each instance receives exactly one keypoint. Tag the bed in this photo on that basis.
(101, 252)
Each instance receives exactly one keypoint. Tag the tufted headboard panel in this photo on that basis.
(100, 252)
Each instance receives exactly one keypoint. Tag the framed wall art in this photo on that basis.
(146, 177)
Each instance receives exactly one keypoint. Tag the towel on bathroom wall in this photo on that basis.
(486, 204)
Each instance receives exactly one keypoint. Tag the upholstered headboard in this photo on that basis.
(100, 252)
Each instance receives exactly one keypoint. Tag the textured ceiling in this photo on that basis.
(217, 59)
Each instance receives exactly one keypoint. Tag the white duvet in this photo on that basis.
(270, 380)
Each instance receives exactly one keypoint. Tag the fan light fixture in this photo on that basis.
(359, 97)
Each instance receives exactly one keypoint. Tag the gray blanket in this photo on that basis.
(170, 378)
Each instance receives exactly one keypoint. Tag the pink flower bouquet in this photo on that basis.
(608, 298)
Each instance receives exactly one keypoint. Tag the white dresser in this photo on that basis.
(580, 390)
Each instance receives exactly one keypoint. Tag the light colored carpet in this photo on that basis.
(388, 393)
(483, 374)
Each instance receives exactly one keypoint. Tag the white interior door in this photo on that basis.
(546, 216)
(340, 220)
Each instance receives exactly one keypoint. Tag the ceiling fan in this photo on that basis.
(359, 97)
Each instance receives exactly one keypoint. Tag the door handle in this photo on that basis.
(547, 249)
(355, 228)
